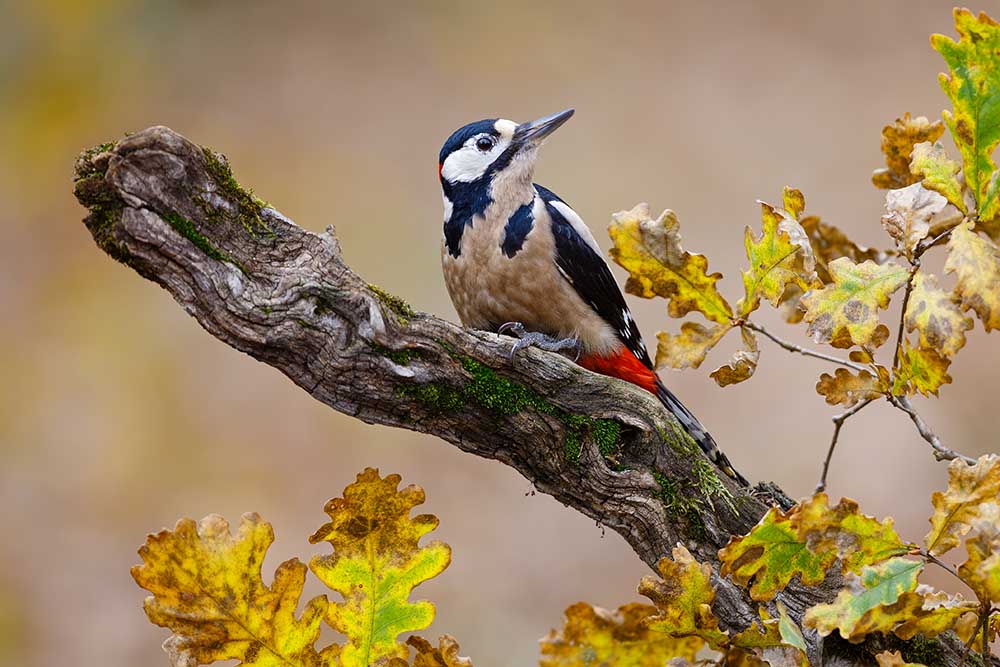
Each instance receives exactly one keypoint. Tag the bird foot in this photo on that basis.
(541, 341)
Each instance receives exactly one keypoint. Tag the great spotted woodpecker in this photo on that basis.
(518, 259)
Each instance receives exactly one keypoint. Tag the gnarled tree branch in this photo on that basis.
(172, 211)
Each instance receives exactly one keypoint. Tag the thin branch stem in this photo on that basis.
(838, 423)
(926, 555)
(792, 347)
(902, 314)
(941, 453)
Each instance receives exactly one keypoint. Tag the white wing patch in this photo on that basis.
(578, 224)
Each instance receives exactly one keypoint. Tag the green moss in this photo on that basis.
(681, 505)
(249, 205)
(187, 229)
(101, 223)
(401, 357)
(708, 484)
(504, 397)
(929, 652)
(394, 303)
(85, 162)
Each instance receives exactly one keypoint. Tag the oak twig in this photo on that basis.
(792, 347)
(941, 453)
(838, 423)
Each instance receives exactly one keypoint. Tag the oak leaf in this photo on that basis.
(845, 313)
(975, 261)
(596, 636)
(938, 172)
(898, 141)
(908, 219)
(688, 348)
(743, 363)
(375, 565)
(982, 569)
(770, 555)
(207, 588)
(683, 595)
(781, 257)
(857, 539)
(894, 659)
(856, 610)
(969, 488)
(935, 316)
(973, 86)
(776, 641)
(650, 250)
(829, 243)
(847, 389)
(920, 369)
(445, 655)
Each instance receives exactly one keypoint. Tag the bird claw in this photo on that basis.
(539, 340)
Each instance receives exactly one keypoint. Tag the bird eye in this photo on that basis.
(484, 143)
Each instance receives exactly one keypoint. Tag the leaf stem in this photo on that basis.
(941, 453)
(915, 266)
(792, 347)
(926, 555)
(838, 423)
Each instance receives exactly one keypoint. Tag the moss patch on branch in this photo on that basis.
(394, 303)
(186, 228)
(249, 206)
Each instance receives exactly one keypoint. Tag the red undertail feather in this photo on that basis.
(621, 364)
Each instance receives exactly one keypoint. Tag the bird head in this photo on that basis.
(482, 152)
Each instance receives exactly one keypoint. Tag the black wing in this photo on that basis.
(586, 270)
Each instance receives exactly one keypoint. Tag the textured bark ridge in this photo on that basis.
(172, 211)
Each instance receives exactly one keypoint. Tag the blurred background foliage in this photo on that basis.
(118, 414)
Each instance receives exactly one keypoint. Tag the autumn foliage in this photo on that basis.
(206, 584)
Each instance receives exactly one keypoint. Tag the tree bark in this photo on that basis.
(172, 211)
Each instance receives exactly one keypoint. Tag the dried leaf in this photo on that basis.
(770, 555)
(973, 85)
(938, 172)
(650, 250)
(688, 348)
(743, 364)
(376, 564)
(777, 641)
(845, 313)
(857, 610)
(782, 256)
(683, 597)
(910, 210)
(445, 655)
(975, 261)
(894, 659)
(969, 488)
(847, 389)
(594, 636)
(982, 569)
(857, 539)
(934, 315)
(207, 588)
(830, 243)
(898, 141)
(920, 369)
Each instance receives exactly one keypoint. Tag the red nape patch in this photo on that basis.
(621, 364)
(440, 167)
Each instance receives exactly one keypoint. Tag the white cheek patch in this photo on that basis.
(578, 224)
(466, 165)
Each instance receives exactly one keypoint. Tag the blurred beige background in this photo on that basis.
(118, 414)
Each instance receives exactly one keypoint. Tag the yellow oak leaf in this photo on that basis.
(776, 641)
(595, 636)
(898, 141)
(743, 364)
(973, 86)
(908, 219)
(935, 316)
(982, 569)
(445, 655)
(975, 261)
(207, 588)
(920, 369)
(829, 243)
(683, 596)
(845, 313)
(969, 488)
(894, 659)
(688, 348)
(376, 564)
(780, 257)
(650, 250)
(846, 388)
(857, 539)
(770, 555)
(859, 608)
(936, 171)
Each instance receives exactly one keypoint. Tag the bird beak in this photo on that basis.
(533, 132)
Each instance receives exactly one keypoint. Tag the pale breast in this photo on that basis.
(488, 288)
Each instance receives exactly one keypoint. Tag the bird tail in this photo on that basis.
(698, 432)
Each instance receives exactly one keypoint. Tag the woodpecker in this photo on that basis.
(517, 259)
